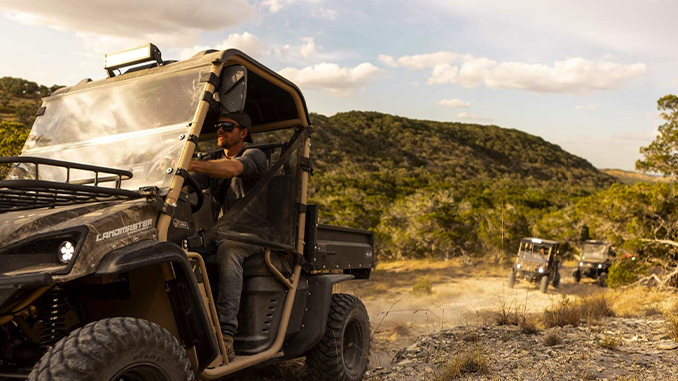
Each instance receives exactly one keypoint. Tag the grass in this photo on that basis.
(594, 308)
(469, 361)
(672, 324)
(609, 341)
(563, 313)
(552, 338)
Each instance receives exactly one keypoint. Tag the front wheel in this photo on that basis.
(115, 349)
(544, 284)
(576, 274)
(343, 352)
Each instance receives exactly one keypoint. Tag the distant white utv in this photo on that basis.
(100, 222)
(538, 262)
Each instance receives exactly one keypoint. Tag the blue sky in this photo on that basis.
(584, 75)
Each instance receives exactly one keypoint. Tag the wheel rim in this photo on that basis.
(141, 372)
(352, 344)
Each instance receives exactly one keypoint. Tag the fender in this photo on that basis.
(315, 318)
(185, 297)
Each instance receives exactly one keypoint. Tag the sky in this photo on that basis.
(584, 75)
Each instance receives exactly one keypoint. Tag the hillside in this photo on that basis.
(434, 188)
(631, 178)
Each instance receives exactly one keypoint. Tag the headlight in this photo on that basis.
(633, 258)
(56, 251)
(581, 264)
(66, 252)
(541, 270)
(518, 266)
(600, 266)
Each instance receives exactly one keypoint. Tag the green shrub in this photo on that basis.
(423, 286)
(12, 138)
(622, 272)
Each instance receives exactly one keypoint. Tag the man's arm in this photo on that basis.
(220, 169)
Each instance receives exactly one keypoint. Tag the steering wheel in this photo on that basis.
(194, 187)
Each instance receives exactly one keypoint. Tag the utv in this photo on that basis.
(537, 262)
(596, 258)
(99, 274)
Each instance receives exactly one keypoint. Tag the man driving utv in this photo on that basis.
(231, 174)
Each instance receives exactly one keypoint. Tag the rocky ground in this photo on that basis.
(611, 349)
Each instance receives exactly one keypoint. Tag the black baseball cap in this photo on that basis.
(243, 120)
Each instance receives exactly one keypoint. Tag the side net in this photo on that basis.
(269, 211)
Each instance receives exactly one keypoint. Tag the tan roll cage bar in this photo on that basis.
(228, 58)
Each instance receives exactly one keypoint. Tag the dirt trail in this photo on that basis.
(398, 316)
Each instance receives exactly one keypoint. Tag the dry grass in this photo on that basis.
(594, 308)
(609, 341)
(470, 336)
(552, 338)
(528, 326)
(563, 313)
(470, 361)
(672, 324)
(632, 302)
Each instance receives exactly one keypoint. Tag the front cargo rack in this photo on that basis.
(33, 193)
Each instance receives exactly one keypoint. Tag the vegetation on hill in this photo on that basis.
(20, 99)
(441, 189)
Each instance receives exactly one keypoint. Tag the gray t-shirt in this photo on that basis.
(249, 217)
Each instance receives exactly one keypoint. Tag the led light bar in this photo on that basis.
(146, 53)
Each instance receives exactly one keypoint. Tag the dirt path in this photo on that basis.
(398, 316)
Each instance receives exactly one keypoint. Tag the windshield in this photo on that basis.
(594, 251)
(132, 124)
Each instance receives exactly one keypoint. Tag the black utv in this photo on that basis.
(596, 258)
(100, 224)
(537, 262)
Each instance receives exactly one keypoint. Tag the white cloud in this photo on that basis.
(388, 60)
(308, 47)
(324, 13)
(247, 42)
(275, 6)
(572, 75)
(454, 103)
(331, 78)
(467, 116)
(586, 107)
(176, 22)
(420, 61)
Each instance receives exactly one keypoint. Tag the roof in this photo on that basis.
(540, 241)
(271, 98)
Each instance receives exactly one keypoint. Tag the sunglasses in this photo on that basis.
(225, 126)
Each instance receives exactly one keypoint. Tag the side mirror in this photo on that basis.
(233, 89)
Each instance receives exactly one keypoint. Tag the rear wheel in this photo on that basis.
(544, 284)
(512, 279)
(556, 280)
(343, 352)
(117, 349)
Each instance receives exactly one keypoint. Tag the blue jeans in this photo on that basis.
(230, 256)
